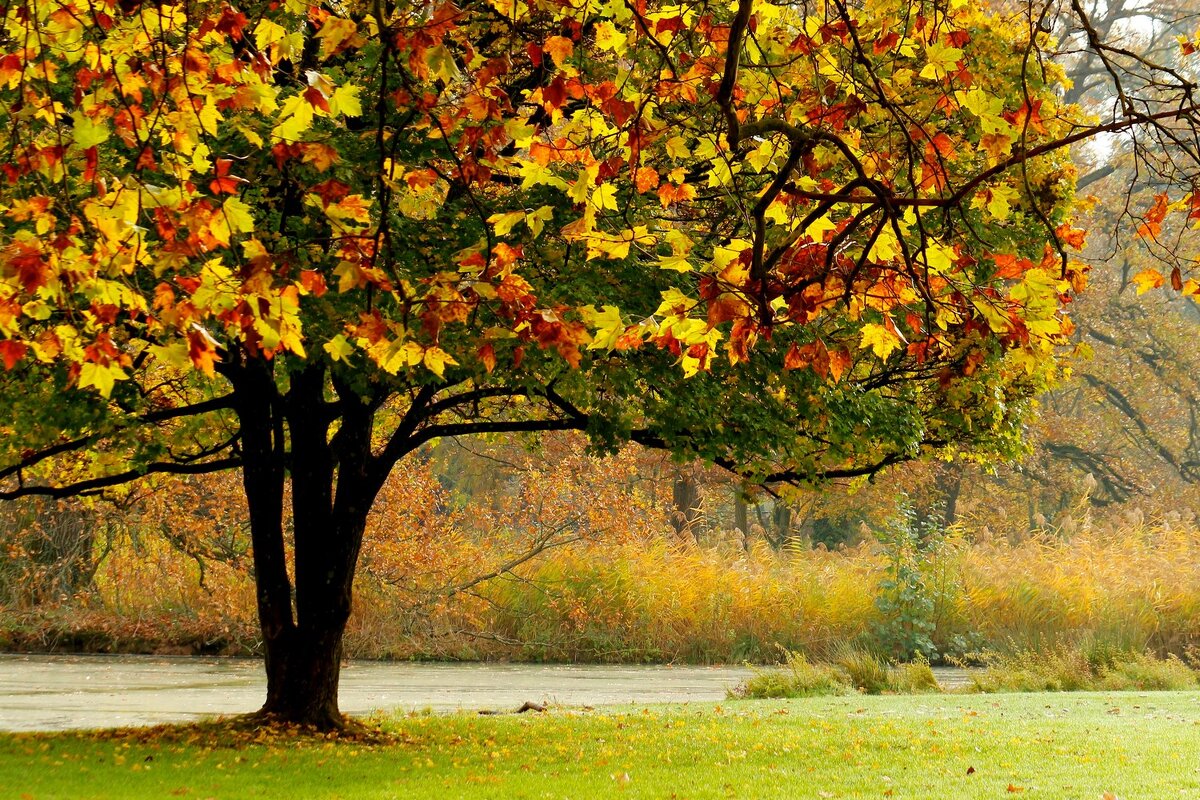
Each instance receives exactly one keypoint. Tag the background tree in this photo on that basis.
(797, 241)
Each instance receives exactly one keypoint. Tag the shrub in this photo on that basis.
(904, 599)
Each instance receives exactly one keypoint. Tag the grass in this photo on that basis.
(1037, 745)
(1073, 669)
(852, 670)
(1079, 668)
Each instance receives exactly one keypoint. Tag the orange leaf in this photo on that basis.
(1071, 236)
(320, 155)
(839, 362)
(313, 282)
(647, 179)
(1152, 225)
(560, 48)
(487, 356)
(793, 359)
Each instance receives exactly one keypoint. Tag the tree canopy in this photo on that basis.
(799, 240)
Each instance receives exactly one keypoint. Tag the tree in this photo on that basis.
(797, 241)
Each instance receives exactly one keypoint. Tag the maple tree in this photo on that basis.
(799, 241)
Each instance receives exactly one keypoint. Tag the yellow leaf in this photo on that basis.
(886, 246)
(504, 223)
(677, 147)
(999, 205)
(102, 377)
(723, 254)
(200, 158)
(674, 303)
(349, 276)
(816, 231)
(537, 220)
(533, 173)
(608, 324)
(882, 341)
(173, 355)
(940, 258)
(1148, 279)
(338, 348)
(605, 197)
(677, 263)
(941, 60)
(267, 33)
(335, 32)
(441, 63)
(609, 38)
(296, 117)
(345, 101)
(241, 220)
(436, 359)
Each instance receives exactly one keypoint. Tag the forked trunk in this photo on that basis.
(332, 490)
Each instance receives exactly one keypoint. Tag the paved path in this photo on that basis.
(61, 692)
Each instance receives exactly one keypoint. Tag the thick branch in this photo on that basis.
(95, 485)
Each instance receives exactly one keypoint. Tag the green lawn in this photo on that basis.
(1134, 745)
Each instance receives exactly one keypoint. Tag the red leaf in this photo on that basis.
(12, 352)
(534, 52)
(31, 269)
(146, 159)
(232, 23)
(330, 191)
(202, 352)
(227, 185)
(317, 98)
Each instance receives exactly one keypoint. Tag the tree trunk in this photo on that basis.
(952, 492)
(686, 497)
(781, 520)
(303, 669)
(741, 519)
(332, 491)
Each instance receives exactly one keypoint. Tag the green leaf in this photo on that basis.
(88, 133)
